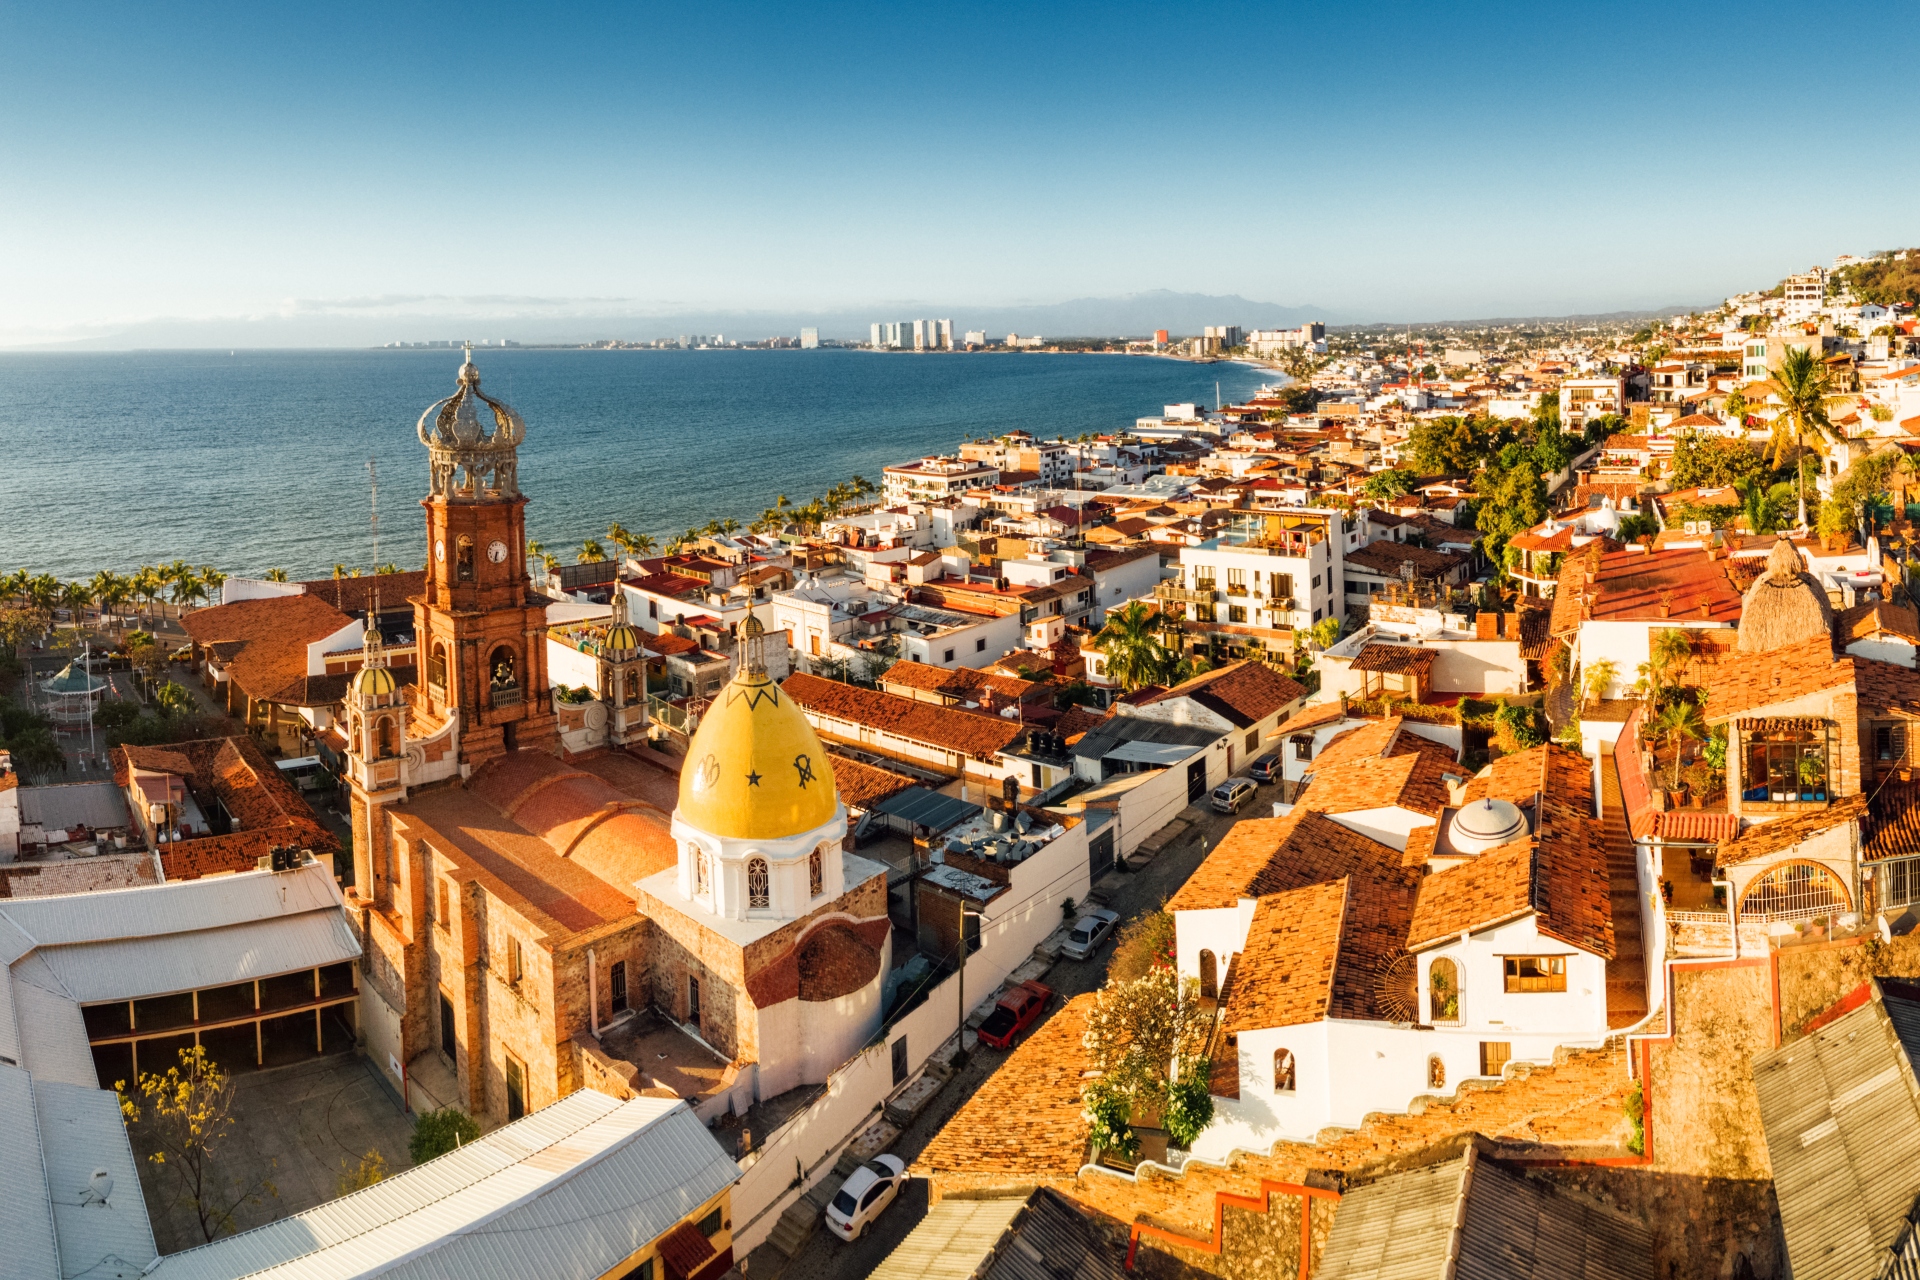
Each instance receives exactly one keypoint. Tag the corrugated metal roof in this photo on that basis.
(74, 804)
(9, 1026)
(81, 1131)
(54, 1037)
(1100, 740)
(131, 968)
(181, 907)
(951, 1242)
(1053, 1239)
(1511, 1227)
(568, 1192)
(1842, 1120)
(26, 1219)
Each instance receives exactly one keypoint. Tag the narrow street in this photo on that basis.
(825, 1256)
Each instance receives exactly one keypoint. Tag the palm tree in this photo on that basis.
(729, 526)
(619, 536)
(1802, 385)
(1325, 633)
(147, 584)
(535, 550)
(1676, 723)
(1131, 642)
(643, 544)
(591, 552)
(388, 567)
(1668, 656)
(1756, 505)
(75, 597)
(211, 578)
(112, 590)
(276, 575)
(864, 486)
(187, 586)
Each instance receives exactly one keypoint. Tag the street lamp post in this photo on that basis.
(960, 1039)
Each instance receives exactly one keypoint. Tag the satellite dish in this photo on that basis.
(99, 1187)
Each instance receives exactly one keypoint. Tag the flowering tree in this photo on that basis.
(185, 1117)
(1145, 1037)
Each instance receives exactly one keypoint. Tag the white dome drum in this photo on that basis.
(1486, 824)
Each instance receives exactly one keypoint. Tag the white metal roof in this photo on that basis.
(951, 1242)
(26, 1219)
(53, 1036)
(181, 907)
(133, 968)
(568, 1192)
(73, 804)
(81, 1131)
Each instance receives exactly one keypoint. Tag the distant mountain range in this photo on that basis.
(535, 321)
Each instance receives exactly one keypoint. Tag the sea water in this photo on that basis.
(258, 459)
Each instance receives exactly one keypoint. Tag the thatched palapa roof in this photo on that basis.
(1785, 605)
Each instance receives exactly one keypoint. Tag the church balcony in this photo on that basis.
(504, 695)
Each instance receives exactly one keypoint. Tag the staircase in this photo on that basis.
(802, 1218)
(1627, 972)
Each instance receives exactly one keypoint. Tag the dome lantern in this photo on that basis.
(1486, 824)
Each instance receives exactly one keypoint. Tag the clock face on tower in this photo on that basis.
(440, 550)
(496, 551)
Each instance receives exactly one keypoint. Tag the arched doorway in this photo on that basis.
(1443, 991)
(1209, 976)
(1283, 1072)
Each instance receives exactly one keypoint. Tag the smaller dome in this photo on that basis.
(623, 638)
(1486, 824)
(373, 682)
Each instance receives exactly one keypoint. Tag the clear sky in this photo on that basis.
(1425, 161)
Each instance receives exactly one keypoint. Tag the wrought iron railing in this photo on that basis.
(505, 695)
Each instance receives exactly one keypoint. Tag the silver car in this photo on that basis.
(1089, 931)
(1231, 794)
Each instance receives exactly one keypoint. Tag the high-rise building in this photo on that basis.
(809, 339)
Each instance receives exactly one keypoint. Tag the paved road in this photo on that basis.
(825, 1256)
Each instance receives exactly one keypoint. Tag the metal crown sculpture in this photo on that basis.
(472, 439)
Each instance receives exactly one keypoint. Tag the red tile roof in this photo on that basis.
(1243, 693)
(1026, 1117)
(1635, 585)
(262, 644)
(947, 728)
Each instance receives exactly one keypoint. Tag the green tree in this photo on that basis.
(620, 537)
(1131, 641)
(1675, 724)
(591, 552)
(1511, 501)
(1449, 445)
(1757, 506)
(437, 1132)
(276, 575)
(1144, 1037)
(1804, 389)
(1714, 462)
(174, 700)
(1389, 484)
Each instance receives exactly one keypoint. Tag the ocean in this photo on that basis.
(258, 459)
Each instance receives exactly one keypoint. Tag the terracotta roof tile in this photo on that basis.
(355, 595)
(1768, 838)
(1244, 693)
(1076, 720)
(1877, 617)
(1259, 856)
(1779, 675)
(949, 728)
(1292, 945)
(1892, 828)
(263, 643)
(1363, 742)
(963, 682)
(1026, 1116)
(862, 786)
(1395, 659)
(1414, 778)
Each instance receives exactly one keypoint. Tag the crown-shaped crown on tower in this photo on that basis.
(473, 441)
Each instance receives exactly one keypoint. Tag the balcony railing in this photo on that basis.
(505, 695)
(1171, 593)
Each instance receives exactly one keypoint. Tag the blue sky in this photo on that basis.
(1379, 161)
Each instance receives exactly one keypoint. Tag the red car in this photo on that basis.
(1019, 1009)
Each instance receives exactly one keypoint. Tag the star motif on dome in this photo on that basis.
(753, 779)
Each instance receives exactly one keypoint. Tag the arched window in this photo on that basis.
(700, 882)
(1794, 891)
(816, 874)
(385, 731)
(463, 560)
(356, 737)
(1443, 991)
(1283, 1071)
(1209, 976)
(759, 895)
(437, 666)
(633, 687)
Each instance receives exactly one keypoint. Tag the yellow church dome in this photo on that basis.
(373, 681)
(755, 769)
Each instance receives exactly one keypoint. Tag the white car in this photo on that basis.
(1089, 931)
(867, 1190)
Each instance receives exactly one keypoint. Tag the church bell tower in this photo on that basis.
(480, 625)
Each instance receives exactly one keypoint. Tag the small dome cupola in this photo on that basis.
(1486, 824)
(623, 638)
(755, 770)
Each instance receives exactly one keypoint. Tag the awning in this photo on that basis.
(1161, 753)
(928, 808)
